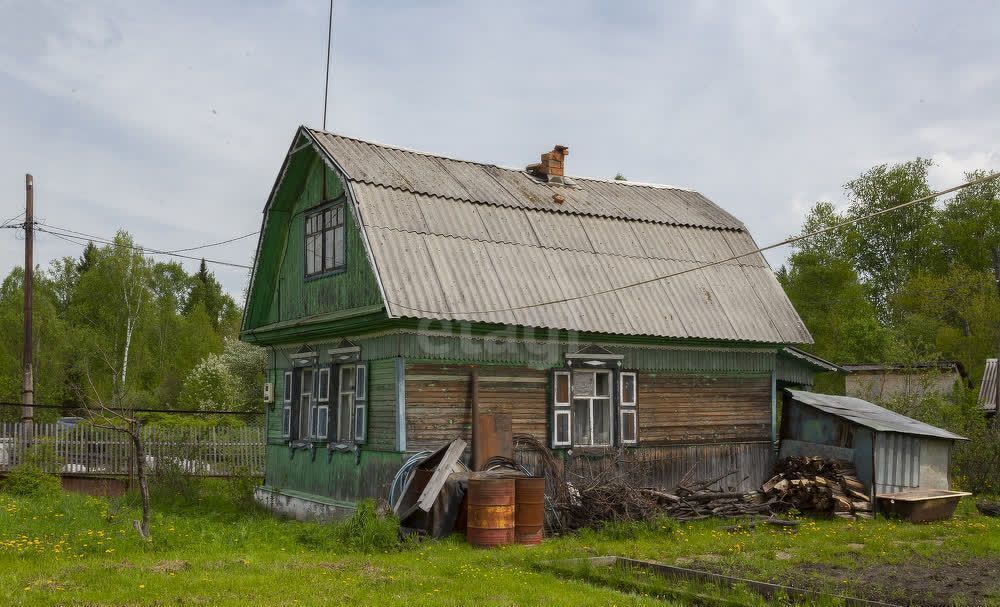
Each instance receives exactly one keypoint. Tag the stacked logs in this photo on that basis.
(812, 484)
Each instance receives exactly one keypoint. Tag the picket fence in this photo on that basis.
(88, 451)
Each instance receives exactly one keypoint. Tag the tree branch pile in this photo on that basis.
(615, 491)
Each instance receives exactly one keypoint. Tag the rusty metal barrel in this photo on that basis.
(491, 512)
(529, 509)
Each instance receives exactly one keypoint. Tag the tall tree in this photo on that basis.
(112, 306)
(832, 303)
(886, 250)
(970, 224)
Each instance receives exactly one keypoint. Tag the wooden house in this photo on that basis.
(390, 285)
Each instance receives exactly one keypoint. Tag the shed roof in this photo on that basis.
(869, 415)
(459, 240)
(988, 389)
(820, 364)
(941, 365)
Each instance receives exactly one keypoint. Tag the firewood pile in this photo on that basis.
(812, 484)
(615, 493)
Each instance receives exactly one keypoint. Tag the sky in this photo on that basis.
(171, 119)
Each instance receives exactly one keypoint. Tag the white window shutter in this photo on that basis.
(361, 403)
(562, 410)
(628, 408)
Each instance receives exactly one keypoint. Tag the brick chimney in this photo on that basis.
(552, 164)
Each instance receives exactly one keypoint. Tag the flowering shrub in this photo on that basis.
(210, 386)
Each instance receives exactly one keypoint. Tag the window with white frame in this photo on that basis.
(306, 404)
(588, 405)
(628, 423)
(320, 409)
(592, 421)
(286, 409)
(345, 402)
(325, 240)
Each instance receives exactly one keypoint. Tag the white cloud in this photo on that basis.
(171, 119)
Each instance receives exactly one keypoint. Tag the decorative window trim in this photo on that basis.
(359, 420)
(286, 405)
(628, 411)
(307, 402)
(620, 404)
(286, 420)
(562, 408)
(609, 356)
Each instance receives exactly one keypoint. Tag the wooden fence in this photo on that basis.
(87, 451)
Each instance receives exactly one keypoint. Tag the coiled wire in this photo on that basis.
(403, 473)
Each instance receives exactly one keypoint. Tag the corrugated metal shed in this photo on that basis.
(872, 416)
(457, 240)
(988, 389)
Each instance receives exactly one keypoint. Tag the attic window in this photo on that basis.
(324, 240)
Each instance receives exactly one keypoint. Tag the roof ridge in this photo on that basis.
(640, 184)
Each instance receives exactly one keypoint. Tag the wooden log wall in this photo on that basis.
(439, 405)
(696, 409)
(673, 408)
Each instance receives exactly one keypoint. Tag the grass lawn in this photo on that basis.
(77, 550)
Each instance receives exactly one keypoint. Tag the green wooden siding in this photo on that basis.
(382, 404)
(280, 290)
(668, 356)
(340, 476)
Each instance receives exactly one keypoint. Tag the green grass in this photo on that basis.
(77, 550)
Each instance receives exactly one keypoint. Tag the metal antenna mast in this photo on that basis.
(326, 85)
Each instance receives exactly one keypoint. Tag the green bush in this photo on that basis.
(28, 479)
(172, 480)
(240, 485)
(976, 463)
(42, 455)
(368, 530)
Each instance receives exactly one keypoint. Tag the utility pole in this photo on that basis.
(28, 386)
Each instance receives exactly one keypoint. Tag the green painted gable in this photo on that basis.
(280, 294)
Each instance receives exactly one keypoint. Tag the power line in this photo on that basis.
(67, 234)
(215, 244)
(6, 222)
(787, 241)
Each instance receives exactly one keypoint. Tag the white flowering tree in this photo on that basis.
(229, 381)
(210, 386)
(246, 365)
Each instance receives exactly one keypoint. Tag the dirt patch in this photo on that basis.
(919, 581)
(170, 566)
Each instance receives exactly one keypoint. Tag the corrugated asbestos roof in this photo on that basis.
(812, 360)
(988, 389)
(869, 415)
(459, 240)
